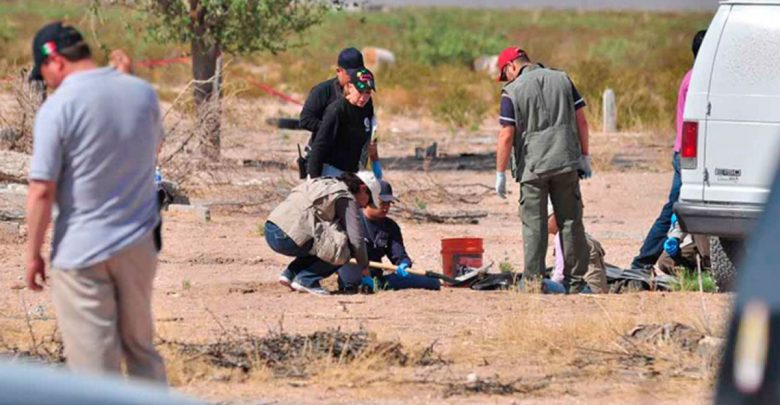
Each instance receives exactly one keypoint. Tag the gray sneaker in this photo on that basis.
(315, 289)
(286, 278)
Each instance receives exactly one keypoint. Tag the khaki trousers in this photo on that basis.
(596, 277)
(105, 314)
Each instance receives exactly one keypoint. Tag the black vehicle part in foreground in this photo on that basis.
(750, 372)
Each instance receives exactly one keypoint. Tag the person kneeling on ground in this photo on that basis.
(320, 224)
(681, 249)
(595, 277)
(385, 239)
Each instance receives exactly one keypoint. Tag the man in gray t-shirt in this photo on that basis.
(94, 151)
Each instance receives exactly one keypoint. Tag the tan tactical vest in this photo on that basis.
(309, 213)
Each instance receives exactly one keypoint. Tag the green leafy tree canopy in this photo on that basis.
(234, 26)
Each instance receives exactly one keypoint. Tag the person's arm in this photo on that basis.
(396, 251)
(505, 142)
(313, 109)
(582, 121)
(506, 135)
(45, 167)
(40, 199)
(504, 147)
(323, 141)
(373, 151)
(582, 130)
(356, 230)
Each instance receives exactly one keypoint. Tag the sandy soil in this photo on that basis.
(567, 349)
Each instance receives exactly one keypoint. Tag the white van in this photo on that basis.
(731, 135)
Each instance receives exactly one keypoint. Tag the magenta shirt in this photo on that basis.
(681, 95)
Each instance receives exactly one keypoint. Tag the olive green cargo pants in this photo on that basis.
(564, 192)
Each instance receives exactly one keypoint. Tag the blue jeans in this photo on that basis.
(316, 270)
(281, 243)
(350, 275)
(396, 282)
(653, 245)
(553, 287)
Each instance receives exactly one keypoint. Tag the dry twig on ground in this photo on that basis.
(429, 189)
(291, 355)
(47, 349)
(452, 217)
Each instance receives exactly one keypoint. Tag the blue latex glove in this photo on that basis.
(401, 270)
(672, 246)
(585, 169)
(674, 220)
(376, 167)
(368, 282)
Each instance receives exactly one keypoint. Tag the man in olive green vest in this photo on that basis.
(545, 133)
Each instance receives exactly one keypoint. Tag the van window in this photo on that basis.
(747, 59)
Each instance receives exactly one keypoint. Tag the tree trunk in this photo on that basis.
(204, 66)
(207, 74)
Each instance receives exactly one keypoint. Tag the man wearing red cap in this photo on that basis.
(545, 132)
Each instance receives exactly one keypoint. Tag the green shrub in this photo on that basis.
(458, 107)
(506, 267)
(688, 280)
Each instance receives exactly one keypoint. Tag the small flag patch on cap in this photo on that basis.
(48, 48)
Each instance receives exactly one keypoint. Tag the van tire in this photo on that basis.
(723, 256)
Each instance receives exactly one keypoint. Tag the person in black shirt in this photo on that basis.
(345, 130)
(384, 238)
(325, 93)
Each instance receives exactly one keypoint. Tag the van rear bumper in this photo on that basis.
(729, 221)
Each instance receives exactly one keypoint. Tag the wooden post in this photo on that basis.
(609, 123)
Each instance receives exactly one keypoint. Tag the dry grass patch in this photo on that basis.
(577, 336)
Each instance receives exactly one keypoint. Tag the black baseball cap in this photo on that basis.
(386, 192)
(350, 58)
(49, 40)
(363, 79)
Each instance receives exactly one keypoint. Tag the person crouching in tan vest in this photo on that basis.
(320, 224)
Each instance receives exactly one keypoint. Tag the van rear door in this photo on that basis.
(696, 103)
(742, 143)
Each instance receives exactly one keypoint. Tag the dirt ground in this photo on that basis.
(220, 275)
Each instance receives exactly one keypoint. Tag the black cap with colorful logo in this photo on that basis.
(48, 41)
(363, 79)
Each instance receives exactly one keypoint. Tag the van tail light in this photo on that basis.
(690, 138)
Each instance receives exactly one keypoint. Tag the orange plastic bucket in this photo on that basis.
(456, 252)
